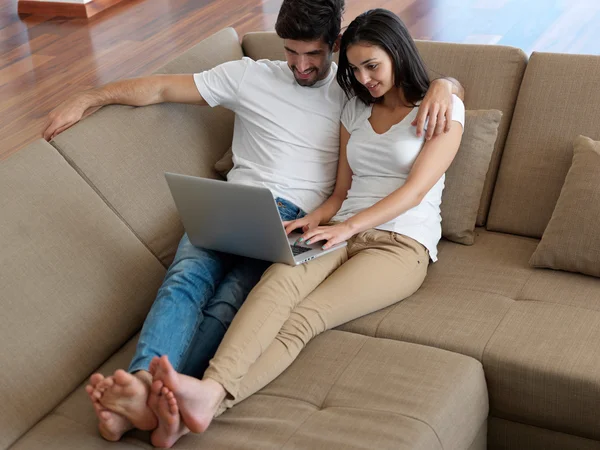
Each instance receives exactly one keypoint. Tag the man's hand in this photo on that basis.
(437, 106)
(64, 116)
(332, 234)
(306, 223)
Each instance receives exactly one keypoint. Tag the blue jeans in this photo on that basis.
(201, 293)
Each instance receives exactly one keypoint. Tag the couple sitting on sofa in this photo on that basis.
(385, 202)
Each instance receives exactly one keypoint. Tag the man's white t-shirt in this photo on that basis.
(381, 163)
(286, 136)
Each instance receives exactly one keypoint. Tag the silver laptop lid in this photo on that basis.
(231, 218)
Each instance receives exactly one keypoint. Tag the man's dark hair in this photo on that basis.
(384, 29)
(310, 20)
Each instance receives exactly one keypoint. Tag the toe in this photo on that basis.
(157, 386)
(107, 383)
(96, 378)
(153, 365)
(173, 408)
(122, 378)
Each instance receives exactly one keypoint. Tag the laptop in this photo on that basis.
(237, 219)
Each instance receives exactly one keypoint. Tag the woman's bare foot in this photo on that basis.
(197, 400)
(164, 405)
(127, 395)
(111, 425)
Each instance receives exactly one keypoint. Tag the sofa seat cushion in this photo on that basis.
(76, 284)
(507, 435)
(543, 368)
(465, 295)
(123, 151)
(537, 331)
(344, 391)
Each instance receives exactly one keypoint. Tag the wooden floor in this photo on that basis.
(43, 60)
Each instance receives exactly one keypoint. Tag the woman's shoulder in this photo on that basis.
(353, 113)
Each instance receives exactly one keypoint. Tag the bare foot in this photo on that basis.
(164, 405)
(154, 366)
(111, 425)
(197, 400)
(127, 395)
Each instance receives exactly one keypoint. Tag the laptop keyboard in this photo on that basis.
(297, 250)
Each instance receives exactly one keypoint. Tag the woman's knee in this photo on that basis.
(302, 326)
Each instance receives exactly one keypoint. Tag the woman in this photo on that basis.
(385, 204)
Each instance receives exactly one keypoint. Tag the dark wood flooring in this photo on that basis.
(44, 59)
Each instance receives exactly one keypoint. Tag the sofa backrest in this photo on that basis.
(559, 100)
(76, 284)
(124, 151)
(490, 74)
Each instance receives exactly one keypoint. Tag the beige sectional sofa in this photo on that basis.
(490, 352)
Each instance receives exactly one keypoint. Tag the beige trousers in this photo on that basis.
(291, 305)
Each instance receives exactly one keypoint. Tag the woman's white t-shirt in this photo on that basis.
(381, 163)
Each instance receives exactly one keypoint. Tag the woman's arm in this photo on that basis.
(332, 205)
(432, 162)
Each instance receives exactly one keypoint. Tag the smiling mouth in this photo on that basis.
(304, 75)
(372, 87)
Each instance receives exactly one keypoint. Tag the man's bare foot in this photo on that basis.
(154, 366)
(164, 405)
(127, 395)
(111, 425)
(197, 400)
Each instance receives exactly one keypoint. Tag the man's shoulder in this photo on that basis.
(266, 65)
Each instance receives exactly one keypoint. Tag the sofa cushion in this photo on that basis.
(76, 283)
(490, 74)
(572, 239)
(225, 164)
(464, 297)
(536, 331)
(542, 367)
(466, 175)
(559, 100)
(123, 151)
(344, 391)
(507, 435)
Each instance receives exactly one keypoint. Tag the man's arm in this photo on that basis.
(135, 92)
(437, 105)
(457, 88)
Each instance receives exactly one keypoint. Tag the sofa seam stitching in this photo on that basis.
(395, 414)
(89, 182)
(298, 427)
(344, 370)
(501, 321)
(320, 408)
(366, 338)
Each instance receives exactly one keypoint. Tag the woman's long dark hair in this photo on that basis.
(384, 29)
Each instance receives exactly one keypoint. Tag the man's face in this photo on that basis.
(309, 61)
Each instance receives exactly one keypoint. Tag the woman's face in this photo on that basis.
(372, 67)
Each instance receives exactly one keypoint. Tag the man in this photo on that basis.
(286, 138)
